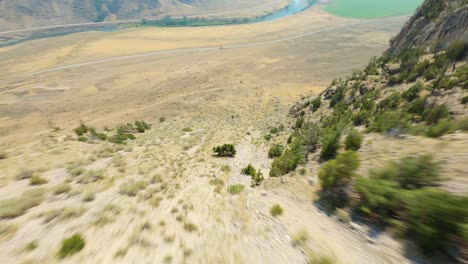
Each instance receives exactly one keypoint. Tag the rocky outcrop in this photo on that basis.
(435, 25)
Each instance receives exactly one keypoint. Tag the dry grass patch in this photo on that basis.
(7, 231)
(18, 206)
(62, 188)
(62, 214)
(236, 189)
(132, 188)
(107, 215)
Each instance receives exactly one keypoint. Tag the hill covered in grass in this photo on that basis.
(414, 91)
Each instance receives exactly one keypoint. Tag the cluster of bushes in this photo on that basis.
(122, 134)
(302, 141)
(256, 175)
(226, 150)
(402, 196)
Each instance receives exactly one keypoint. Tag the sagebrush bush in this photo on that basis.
(62, 188)
(37, 180)
(236, 188)
(353, 140)
(276, 210)
(71, 246)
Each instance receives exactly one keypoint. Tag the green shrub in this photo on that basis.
(187, 129)
(257, 178)
(81, 130)
(31, 245)
(337, 172)
(330, 144)
(37, 180)
(411, 172)
(249, 170)
(275, 151)
(353, 140)
(434, 216)
(390, 102)
(457, 51)
(464, 100)
(71, 246)
(418, 106)
(361, 118)
(378, 197)
(432, 8)
(141, 126)
(442, 128)
(122, 134)
(433, 116)
(276, 210)
(316, 103)
(236, 189)
(226, 150)
(413, 92)
(82, 139)
(392, 121)
(289, 161)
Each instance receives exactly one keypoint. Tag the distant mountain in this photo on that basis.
(32, 13)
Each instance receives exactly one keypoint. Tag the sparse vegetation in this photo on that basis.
(132, 188)
(7, 231)
(276, 210)
(301, 238)
(18, 206)
(190, 227)
(31, 245)
(236, 189)
(62, 188)
(71, 246)
(37, 180)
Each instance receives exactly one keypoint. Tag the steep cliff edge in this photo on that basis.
(436, 25)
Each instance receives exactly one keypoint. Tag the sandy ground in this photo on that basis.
(224, 96)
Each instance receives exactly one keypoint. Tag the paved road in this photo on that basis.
(212, 48)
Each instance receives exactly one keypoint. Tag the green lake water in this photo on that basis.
(372, 8)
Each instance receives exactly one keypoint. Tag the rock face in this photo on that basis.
(435, 25)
